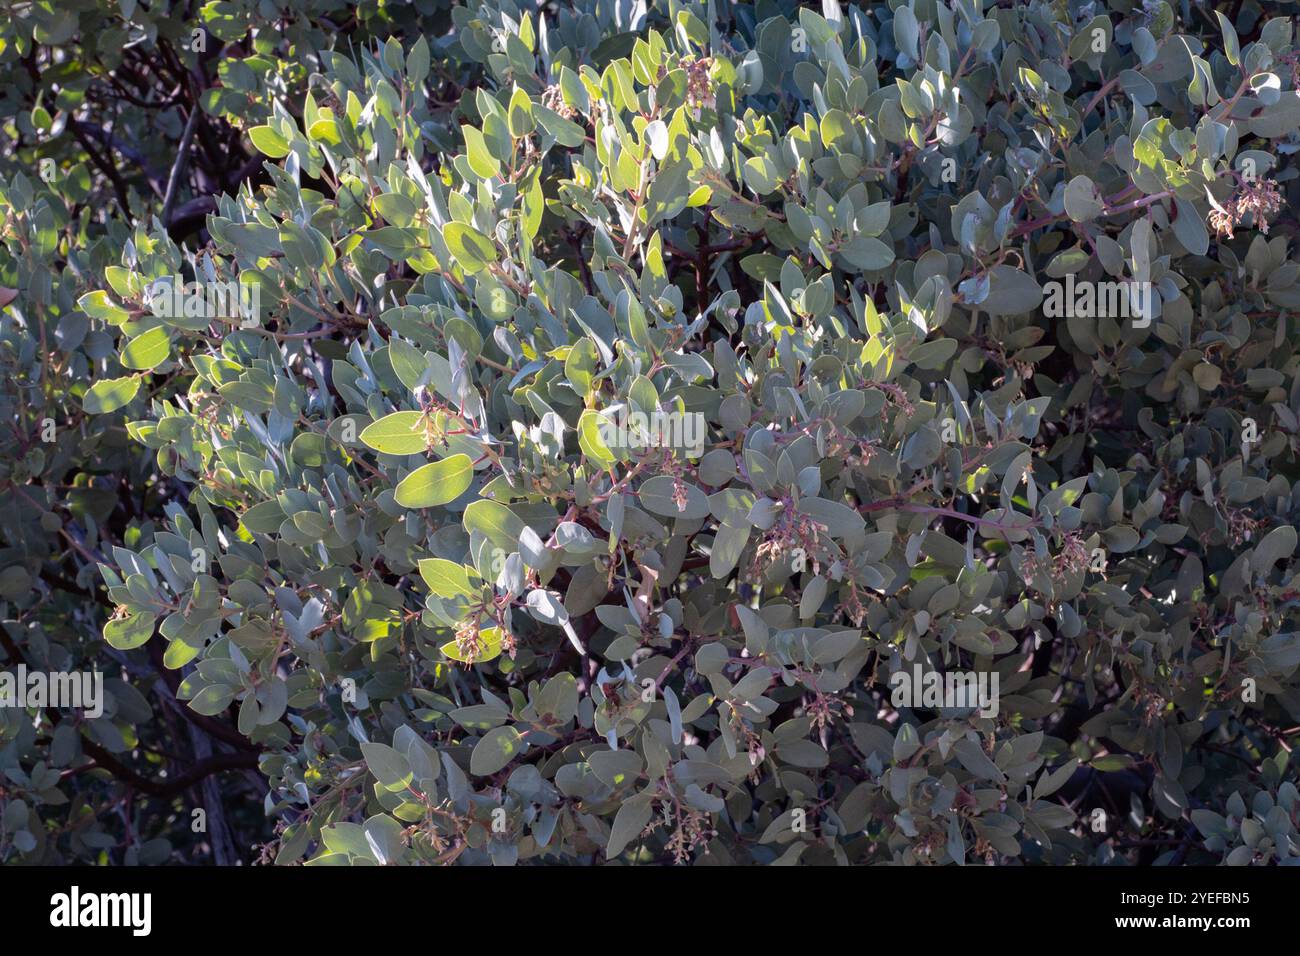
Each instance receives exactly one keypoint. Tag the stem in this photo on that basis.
(1099, 96)
(642, 187)
(178, 167)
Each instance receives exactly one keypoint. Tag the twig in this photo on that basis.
(178, 167)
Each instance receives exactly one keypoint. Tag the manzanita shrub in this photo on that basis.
(652, 433)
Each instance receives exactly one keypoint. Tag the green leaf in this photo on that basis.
(417, 61)
(474, 252)
(390, 768)
(98, 305)
(673, 498)
(269, 142)
(394, 242)
(761, 175)
(496, 522)
(906, 31)
(1011, 292)
(630, 820)
(520, 114)
(973, 758)
(489, 647)
(212, 700)
(480, 157)
(445, 578)
(110, 394)
(304, 247)
(401, 433)
(395, 208)
(494, 750)
(147, 350)
(1277, 544)
(1082, 202)
(1231, 45)
(130, 632)
(436, 483)
(1207, 376)
(1190, 229)
(384, 838)
(1112, 762)
(866, 253)
(408, 362)
(590, 440)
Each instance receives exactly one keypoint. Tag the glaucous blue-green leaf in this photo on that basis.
(390, 768)
(212, 700)
(673, 498)
(886, 257)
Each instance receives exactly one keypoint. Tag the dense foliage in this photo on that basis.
(375, 573)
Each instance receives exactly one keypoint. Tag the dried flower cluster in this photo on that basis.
(1255, 202)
